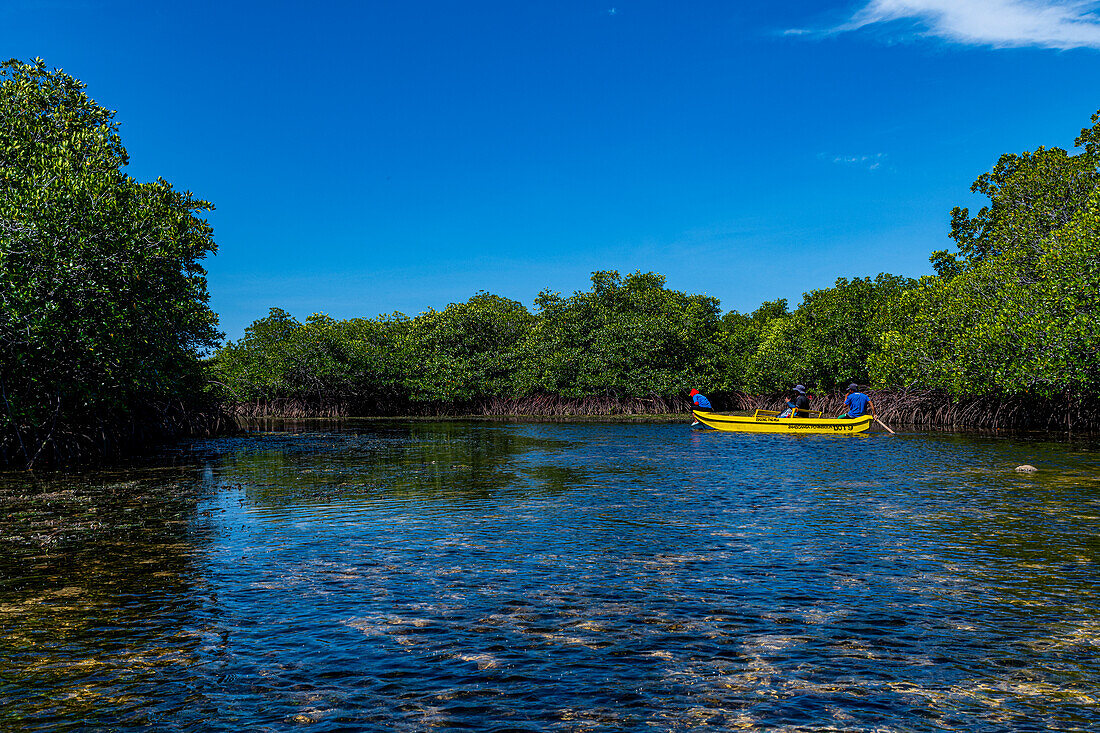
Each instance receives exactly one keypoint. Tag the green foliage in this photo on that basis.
(1031, 196)
(1015, 323)
(103, 302)
(1015, 312)
(383, 359)
(256, 367)
(825, 342)
(458, 354)
(322, 360)
(467, 350)
(1012, 311)
(627, 336)
(738, 339)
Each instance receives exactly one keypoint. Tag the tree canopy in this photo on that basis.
(626, 337)
(1014, 311)
(103, 300)
(1011, 311)
(104, 313)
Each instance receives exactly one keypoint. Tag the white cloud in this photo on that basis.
(998, 23)
(870, 162)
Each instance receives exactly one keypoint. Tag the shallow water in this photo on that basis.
(563, 577)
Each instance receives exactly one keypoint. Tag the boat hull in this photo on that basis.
(770, 424)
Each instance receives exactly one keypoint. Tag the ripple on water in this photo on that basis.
(557, 577)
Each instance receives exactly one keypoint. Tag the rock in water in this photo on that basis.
(1026, 469)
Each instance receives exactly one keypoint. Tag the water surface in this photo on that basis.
(557, 577)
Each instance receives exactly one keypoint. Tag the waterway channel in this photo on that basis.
(556, 577)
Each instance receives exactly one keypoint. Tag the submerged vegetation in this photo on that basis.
(104, 316)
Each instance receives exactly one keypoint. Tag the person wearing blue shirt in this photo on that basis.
(857, 404)
(700, 403)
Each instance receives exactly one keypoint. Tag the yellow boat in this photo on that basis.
(767, 421)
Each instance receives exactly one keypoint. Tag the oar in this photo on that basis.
(880, 422)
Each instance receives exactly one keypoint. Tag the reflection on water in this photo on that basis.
(387, 576)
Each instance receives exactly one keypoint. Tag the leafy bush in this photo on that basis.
(1012, 312)
(103, 302)
(628, 336)
(1015, 310)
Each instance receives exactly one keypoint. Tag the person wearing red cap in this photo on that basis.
(699, 402)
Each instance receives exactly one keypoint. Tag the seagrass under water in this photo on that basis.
(557, 577)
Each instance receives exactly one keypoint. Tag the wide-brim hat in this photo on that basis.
(800, 389)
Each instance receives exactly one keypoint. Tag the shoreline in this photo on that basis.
(909, 408)
(258, 424)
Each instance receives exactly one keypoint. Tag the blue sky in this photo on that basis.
(367, 157)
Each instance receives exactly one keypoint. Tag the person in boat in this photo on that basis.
(700, 402)
(798, 404)
(856, 404)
